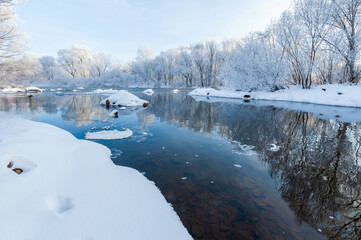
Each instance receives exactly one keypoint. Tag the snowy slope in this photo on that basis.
(70, 189)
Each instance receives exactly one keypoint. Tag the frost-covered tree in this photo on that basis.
(301, 33)
(346, 35)
(75, 60)
(10, 38)
(99, 64)
(49, 67)
(254, 65)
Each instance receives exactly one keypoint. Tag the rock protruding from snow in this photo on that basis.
(149, 92)
(125, 99)
(68, 191)
(33, 90)
(114, 114)
(109, 135)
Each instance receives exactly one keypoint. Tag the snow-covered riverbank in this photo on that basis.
(334, 94)
(70, 189)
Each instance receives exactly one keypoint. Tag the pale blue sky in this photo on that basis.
(119, 27)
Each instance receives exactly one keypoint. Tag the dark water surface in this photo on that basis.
(213, 163)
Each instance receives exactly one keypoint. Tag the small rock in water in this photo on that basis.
(237, 165)
(184, 178)
(18, 170)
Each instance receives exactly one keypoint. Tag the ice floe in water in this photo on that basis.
(148, 92)
(237, 165)
(184, 178)
(242, 149)
(274, 148)
(116, 153)
(109, 135)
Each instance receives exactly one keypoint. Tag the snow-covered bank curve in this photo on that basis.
(70, 189)
(333, 94)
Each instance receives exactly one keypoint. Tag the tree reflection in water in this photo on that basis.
(318, 167)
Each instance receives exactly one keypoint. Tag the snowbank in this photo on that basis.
(10, 89)
(70, 189)
(109, 135)
(106, 91)
(125, 99)
(334, 94)
(149, 92)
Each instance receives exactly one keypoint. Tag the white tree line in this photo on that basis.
(314, 41)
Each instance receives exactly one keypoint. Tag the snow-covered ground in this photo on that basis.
(70, 189)
(333, 94)
(124, 98)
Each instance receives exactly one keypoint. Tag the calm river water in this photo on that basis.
(219, 165)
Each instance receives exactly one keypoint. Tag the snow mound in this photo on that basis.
(149, 92)
(109, 135)
(33, 89)
(125, 99)
(71, 193)
(10, 89)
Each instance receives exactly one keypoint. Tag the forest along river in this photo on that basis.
(230, 170)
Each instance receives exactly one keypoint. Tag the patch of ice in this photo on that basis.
(175, 90)
(274, 148)
(116, 153)
(237, 165)
(184, 178)
(149, 92)
(242, 149)
(123, 108)
(125, 99)
(109, 135)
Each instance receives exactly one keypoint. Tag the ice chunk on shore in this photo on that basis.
(149, 92)
(109, 135)
(125, 99)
